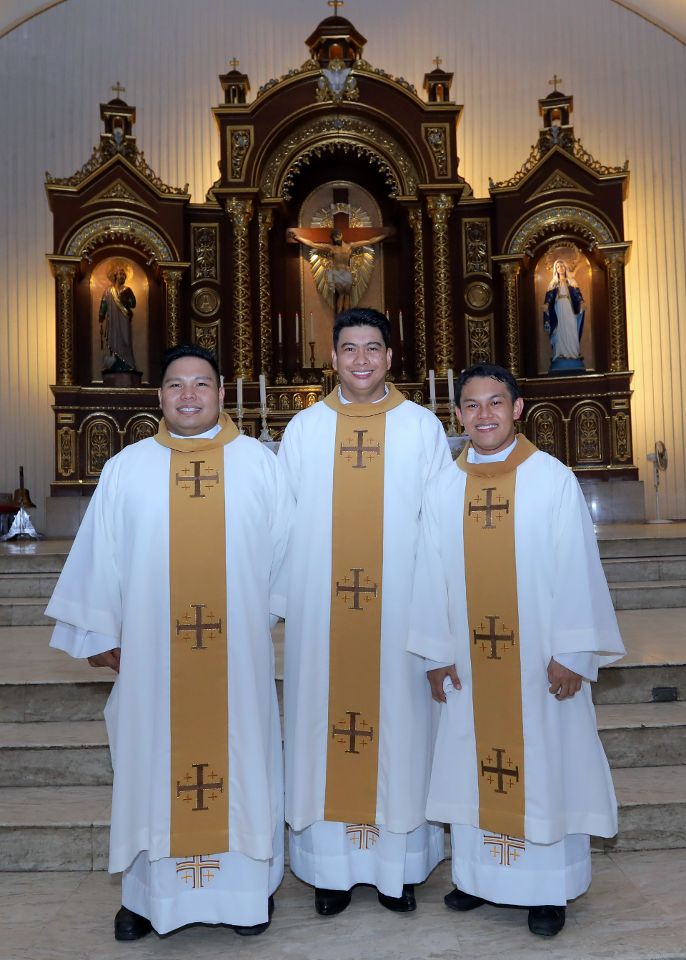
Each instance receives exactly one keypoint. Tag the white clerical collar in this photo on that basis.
(474, 457)
(207, 435)
(343, 400)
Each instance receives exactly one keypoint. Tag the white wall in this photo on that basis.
(628, 79)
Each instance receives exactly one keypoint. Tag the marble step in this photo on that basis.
(64, 753)
(28, 585)
(644, 545)
(66, 828)
(633, 569)
(643, 734)
(43, 557)
(23, 611)
(648, 594)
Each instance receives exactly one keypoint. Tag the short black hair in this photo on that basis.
(362, 317)
(491, 370)
(188, 350)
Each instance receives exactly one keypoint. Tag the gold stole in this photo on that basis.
(355, 626)
(199, 689)
(491, 583)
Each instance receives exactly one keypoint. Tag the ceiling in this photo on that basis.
(668, 15)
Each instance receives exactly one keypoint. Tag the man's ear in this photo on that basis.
(517, 408)
(334, 359)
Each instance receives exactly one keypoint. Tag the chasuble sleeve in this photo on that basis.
(583, 617)
(430, 635)
(87, 594)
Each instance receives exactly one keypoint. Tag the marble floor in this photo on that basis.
(635, 910)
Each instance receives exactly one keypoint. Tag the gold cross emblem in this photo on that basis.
(352, 733)
(488, 508)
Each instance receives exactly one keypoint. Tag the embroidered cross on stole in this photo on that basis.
(355, 625)
(198, 643)
(491, 584)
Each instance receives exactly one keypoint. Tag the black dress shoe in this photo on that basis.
(129, 925)
(328, 903)
(546, 921)
(257, 928)
(459, 900)
(403, 904)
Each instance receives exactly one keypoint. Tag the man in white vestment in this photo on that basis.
(358, 715)
(512, 611)
(170, 582)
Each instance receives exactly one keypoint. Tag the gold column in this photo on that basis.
(64, 270)
(265, 220)
(416, 219)
(439, 208)
(510, 268)
(615, 256)
(241, 211)
(172, 275)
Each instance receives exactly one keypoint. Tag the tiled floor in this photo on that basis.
(635, 910)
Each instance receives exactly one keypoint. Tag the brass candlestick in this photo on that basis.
(239, 418)
(280, 379)
(265, 435)
(298, 375)
(452, 423)
(312, 378)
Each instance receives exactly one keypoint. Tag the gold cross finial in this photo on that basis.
(437, 61)
(233, 63)
(118, 88)
(554, 82)
(335, 4)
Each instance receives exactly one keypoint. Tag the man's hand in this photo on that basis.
(436, 678)
(108, 659)
(564, 683)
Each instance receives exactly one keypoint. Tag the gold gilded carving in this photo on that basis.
(207, 335)
(310, 66)
(621, 438)
(479, 339)
(311, 399)
(564, 140)
(205, 301)
(615, 257)
(556, 182)
(120, 192)
(64, 272)
(588, 436)
(239, 142)
(336, 83)
(436, 138)
(103, 153)
(172, 281)
(205, 251)
(439, 208)
(142, 428)
(571, 219)
(265, 220)
(66, 451)
(332, 133)
(544, 431)
(284, 403)
(478, 295)
(240, 212)
(476, 246)
(510, 273)
(118, 229)
(98, 446)
(416, 219)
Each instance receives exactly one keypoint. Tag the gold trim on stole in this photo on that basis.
(355, 625)
(493, 615)
(199, 687)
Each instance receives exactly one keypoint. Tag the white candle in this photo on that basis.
(239, 393)
(311, 327)
(432, 388)
(297, 328)
(263, 392)
(278, 319)
(451, 387)
(400, 322)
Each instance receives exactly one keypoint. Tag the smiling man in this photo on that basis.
(512, 609)
(170, 582)
(358, 714)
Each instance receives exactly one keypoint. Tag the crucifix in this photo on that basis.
(200, 786)
(493, 638)
(335, 4)
(359, 450)
(198, 627)
(488, 508)
(438, 61)
(118, 89)
(499, 770)
(352, 732)
(233, 63)
(356, 589)
(196, 479)
(554, 82)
